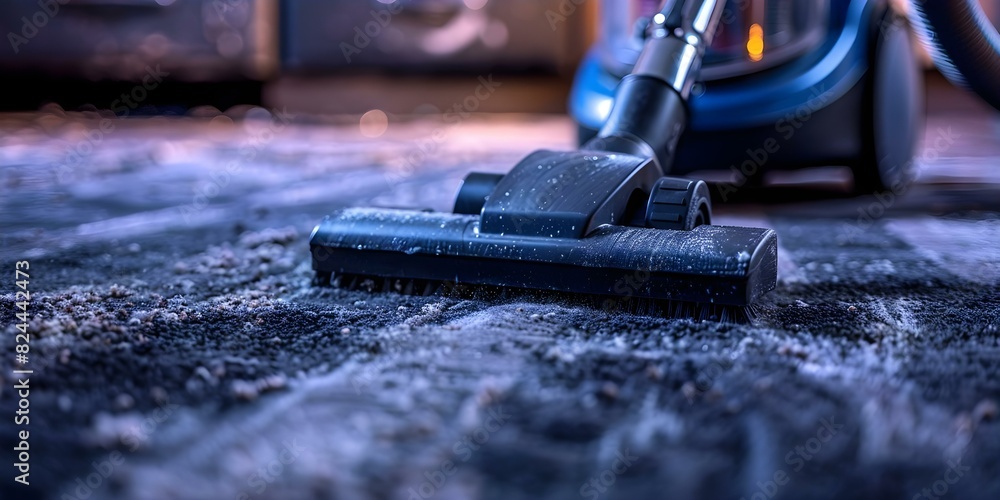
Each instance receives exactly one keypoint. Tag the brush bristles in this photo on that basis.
(612, 304)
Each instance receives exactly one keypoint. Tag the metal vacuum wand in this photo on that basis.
(650, 109)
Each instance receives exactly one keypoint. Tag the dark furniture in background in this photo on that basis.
(223, 52)
(431, 36)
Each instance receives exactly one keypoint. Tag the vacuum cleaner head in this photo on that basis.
(546, 238)
(604, 221)
(710, 272)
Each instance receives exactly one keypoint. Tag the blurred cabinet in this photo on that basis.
(192, 40)
(435, 35)
(223, 40)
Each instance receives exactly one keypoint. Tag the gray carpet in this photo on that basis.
(179, 350)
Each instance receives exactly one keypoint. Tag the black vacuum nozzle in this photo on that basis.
(603, 221)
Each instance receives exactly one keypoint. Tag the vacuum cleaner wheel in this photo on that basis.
(894, 109)
(476, 188)
(676, 203)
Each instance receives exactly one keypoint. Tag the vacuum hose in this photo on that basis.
(650, 107)
(964, 44)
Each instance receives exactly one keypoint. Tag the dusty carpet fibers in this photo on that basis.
(179, 350)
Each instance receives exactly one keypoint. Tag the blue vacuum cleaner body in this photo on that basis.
(852, 97)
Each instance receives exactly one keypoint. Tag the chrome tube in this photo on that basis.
(677, 38)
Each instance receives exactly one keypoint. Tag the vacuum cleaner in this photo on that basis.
(803, 83)
(613, 220)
